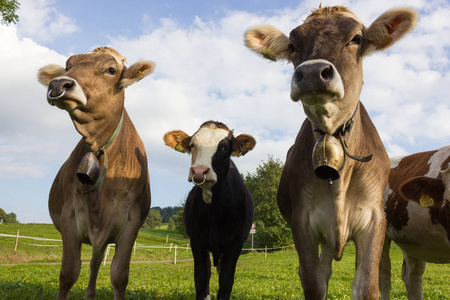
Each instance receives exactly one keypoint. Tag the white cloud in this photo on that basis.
(42, 22)
(205, 72)
(28, 124)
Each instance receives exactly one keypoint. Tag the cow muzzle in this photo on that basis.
(316, 82)
(200, 176)
(65, 90)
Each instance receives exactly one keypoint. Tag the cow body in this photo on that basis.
(421, 230)
(327, 51)
(91, 90)
(218, 212)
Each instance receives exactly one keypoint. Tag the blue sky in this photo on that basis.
(203, 71)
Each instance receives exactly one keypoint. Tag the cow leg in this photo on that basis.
(385, 270)
(202, 271)
(369, 244)
(326, 261)
(313, 281)
(227, 270)
(96, 261)
(412, 275)
(120, 266)
(70, 265)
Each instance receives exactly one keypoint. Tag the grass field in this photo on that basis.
(35, 275)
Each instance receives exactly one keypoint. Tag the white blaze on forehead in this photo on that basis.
(205, 142)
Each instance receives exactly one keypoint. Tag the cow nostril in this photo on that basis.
(68, 85)
(327, 73)
(299, 75)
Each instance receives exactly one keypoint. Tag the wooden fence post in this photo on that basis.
(17, 240)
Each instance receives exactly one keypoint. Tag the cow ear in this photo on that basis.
(48, 73)
(136, 72)
(242, 144)
(425, 190)
(388, 28)
(177, 140)
(268, 41)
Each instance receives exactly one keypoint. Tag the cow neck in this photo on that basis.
(99, 152)
(343, 131)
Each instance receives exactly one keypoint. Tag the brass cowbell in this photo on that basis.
(328, 157)
(88, 169)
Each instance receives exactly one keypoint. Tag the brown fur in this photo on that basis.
(351, 208)
(327, 11)
(115, 212)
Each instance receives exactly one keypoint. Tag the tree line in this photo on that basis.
(7, 218)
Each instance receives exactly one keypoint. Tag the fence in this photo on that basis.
(172, 246)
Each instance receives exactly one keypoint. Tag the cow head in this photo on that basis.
(327, 51)
(428, 191)
(210, 148)
(91, 87)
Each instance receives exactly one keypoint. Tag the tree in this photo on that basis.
(153, 219)
(8, 218)
(167, 212)
(8, 10)
(271, 229)
(178, 223)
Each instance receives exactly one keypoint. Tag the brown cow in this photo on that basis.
(327, 51)
(91, 90)
(418, 217)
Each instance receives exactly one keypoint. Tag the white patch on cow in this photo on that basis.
(207, 298)
(437, 160)
(76, 92)
(395, 161)
(205, 142)
(420, 238)
(387, 192)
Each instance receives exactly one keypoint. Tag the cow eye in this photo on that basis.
(357, 39)
(291, 48)
(111, 71)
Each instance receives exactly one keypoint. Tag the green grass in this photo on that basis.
(257, 277)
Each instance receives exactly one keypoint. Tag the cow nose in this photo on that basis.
(58, 87)
(314, 76)
(199, 174)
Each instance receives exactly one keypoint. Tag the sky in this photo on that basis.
(203, 72)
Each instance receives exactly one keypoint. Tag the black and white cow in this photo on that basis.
(219, 209)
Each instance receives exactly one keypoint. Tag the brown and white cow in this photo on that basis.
(327, 52)
(418, 217)
(91, 89)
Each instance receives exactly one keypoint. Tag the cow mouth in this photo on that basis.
(198, 182)
(63, 100)
(315, 97)
(65, 93)
(204, 183)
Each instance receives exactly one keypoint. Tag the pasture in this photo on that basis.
(32, 271)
